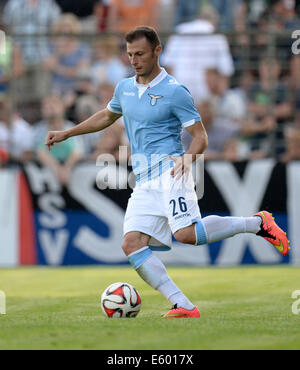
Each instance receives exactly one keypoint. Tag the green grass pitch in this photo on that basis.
(241, 308)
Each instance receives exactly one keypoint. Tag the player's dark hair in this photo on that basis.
(143, 31)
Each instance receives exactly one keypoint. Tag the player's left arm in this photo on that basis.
(200, 140)
(183, 107)
(198, 145)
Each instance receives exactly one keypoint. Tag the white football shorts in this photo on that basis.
(160, 207)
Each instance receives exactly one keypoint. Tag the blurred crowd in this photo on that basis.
(63, 59)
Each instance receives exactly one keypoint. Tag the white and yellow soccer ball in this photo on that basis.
(120, 300)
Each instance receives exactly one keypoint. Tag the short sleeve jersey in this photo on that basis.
(154, 117)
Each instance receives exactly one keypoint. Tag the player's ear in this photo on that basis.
(157, 50)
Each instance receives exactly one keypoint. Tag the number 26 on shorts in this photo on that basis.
(182, 205)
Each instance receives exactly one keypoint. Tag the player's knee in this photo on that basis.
(128, 246)
(131, 243)
(185, 235)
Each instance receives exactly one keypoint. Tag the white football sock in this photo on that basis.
(219, 228)
(153, 272)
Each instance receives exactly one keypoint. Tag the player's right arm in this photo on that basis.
(96, 122)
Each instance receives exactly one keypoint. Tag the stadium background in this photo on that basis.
(61, 64)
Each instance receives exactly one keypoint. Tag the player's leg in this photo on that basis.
(190, 229)
(151, 269)
(214, 228)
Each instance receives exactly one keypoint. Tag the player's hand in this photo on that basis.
(182, 166)
(55, 137)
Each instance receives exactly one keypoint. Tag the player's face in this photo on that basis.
(142, 57)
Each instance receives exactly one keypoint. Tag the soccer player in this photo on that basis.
(155, 107)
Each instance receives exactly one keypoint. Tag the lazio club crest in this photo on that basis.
(154, 98)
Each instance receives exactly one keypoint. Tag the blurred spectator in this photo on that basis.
(104, 93)
(106, 66)
(63, 156)
(292, 139)
(231, 151)
(227, 103)
(295, 72)
(251, 126)
(252, 15)
(270, 94)
(259, 16)
(101, 13)
(284, 11)
(83, 87)
(248, 13)
(266, 25)
(113, 136)
(68, 55)
(110, 141)
(270, 103)
(11, 64)
(186, 11)
(273, 25)
(27, 18)
(127, 14)
(270, 90)
(166, 15)
(227, 11)
(187, 56)
(16, 135)
(234, 132)
(2, 5)
(98, 20)
(222, 116)
(284, 20)
(228, 112)
(245, 83)
(86, 106)
(220, 132)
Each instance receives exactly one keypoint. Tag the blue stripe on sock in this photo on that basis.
(200, 233)
(137, 259)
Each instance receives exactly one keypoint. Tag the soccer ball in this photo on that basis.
(120, 300)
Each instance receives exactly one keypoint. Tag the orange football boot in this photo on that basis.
(179, 313)
(273, 233)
